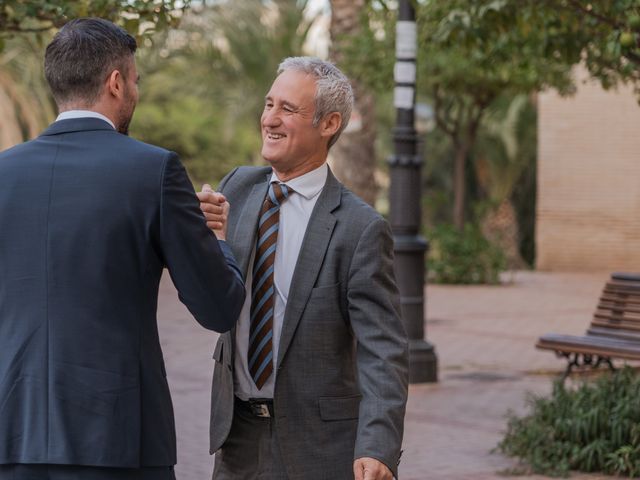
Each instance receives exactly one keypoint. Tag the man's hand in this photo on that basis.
(216, 210)
(367, 468)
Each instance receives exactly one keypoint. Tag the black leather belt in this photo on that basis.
(260, 407)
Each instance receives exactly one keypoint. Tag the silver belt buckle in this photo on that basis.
(260, 409)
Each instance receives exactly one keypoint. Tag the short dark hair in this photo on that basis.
(81, 56)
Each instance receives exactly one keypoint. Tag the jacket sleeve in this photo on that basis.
(205, 273)
(382, 349)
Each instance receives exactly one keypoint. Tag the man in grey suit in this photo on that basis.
(312, 383)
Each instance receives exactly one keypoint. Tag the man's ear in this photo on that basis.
(115, 84)
(330, 124)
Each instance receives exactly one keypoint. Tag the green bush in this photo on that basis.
(463, 256)
(594, 427)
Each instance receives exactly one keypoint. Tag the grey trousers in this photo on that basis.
(78, 472)
(251, 451)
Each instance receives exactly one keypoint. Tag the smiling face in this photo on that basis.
(290, 142)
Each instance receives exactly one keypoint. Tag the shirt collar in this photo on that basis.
(308, 185)
(83, 114)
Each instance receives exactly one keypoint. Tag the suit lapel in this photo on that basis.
(310, 259)
(243, 238)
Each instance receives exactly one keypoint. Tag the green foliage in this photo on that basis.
(190, 124)
(603, 33)
(252, 39)
(592, 428)
(140, 17)
(26, 26)
(501, 166)
(471, 55)
(488, 48)
(506, 145)
(524, 201)
(26, 107)
(437, 180)
(203, 84)
(463, 256)
(504, 161)
(369, 56)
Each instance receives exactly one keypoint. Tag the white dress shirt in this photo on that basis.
(83, 114)
(294, 218)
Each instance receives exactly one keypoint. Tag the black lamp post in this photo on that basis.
(405, 193)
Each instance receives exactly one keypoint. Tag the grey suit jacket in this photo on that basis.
(342, 375)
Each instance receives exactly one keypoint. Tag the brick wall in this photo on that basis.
(588, 214)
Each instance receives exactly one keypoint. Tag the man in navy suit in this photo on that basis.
(89, 218)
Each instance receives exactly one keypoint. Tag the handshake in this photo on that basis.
(215, 207)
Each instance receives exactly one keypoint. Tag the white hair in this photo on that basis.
(333, 93)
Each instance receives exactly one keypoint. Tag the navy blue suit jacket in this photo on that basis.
(88, 220)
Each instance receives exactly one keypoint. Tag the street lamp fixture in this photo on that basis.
(405, 202)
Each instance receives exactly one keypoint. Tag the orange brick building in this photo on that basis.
(588, 204)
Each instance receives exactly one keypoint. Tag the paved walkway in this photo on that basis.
(484, 339)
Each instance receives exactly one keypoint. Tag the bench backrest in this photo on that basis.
(619, 304)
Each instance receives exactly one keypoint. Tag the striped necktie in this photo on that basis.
(260, 353)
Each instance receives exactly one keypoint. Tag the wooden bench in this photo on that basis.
(614, 332)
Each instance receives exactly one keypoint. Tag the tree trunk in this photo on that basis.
(459, 183)
(353, 157)
(500, 226)
(23, 117)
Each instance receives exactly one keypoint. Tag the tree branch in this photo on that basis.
(590, 13)
(439, 113)
(632, 57)
(459, 120)
(18, 28)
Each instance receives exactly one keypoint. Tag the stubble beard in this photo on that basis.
(124, 117)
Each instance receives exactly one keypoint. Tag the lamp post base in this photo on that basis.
(423, 362)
